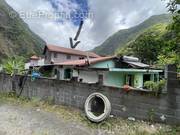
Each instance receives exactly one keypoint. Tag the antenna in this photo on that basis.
(73, 46)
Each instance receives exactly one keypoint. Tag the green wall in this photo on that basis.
(114, 79)
(138, 80)
(118, 79)
(105, 64)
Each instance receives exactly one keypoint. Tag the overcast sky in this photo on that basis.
(102, 18)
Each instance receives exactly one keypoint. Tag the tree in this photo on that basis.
(174, 27)
(14, 65)
(169, 58)
(149, 44)
(173, 8)
(159, 44)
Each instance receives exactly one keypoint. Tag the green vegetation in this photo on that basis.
(151, 115)
(15, 36)
(14, 65)
(154, 46)
(169, 58)
(115, 126)
(122, 37)
(155, 86)
(159, 45)
(155, 41)
(147, 45)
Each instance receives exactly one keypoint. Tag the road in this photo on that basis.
(16, 120)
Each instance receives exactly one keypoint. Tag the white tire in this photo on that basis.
(106, 108)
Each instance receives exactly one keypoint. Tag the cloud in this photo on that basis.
(108, 17)
(112, 15)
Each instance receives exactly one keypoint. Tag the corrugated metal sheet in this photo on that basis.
(137, 64)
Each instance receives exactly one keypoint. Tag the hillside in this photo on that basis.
(157, 45)
(122, 37)
(15, 36)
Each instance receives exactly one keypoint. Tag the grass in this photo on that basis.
(114, 126)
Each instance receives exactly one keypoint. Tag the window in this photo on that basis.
(68, 57)
(55, 55)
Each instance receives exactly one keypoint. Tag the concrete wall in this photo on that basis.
(88, 76)
(141, 105)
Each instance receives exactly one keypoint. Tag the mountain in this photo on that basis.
(122, 37)
(16, 38)
(156, 46)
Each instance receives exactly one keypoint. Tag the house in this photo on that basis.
(87, 67)
(34, 61)
(54, 54)
(112, 71)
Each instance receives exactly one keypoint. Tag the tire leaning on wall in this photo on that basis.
(107, 108)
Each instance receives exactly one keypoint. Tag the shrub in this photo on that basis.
(150, 85)
(155, 86)
(161, 84)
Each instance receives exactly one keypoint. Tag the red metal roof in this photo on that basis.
(84, 62)
(53, 48)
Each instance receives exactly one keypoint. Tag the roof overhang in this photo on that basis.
(135, 70)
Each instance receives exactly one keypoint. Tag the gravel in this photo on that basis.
(16, 120)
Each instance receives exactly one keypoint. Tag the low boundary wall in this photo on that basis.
(141, 105)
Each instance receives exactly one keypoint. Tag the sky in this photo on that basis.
(57, 20)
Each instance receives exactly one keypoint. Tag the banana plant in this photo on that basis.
(14, 65)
